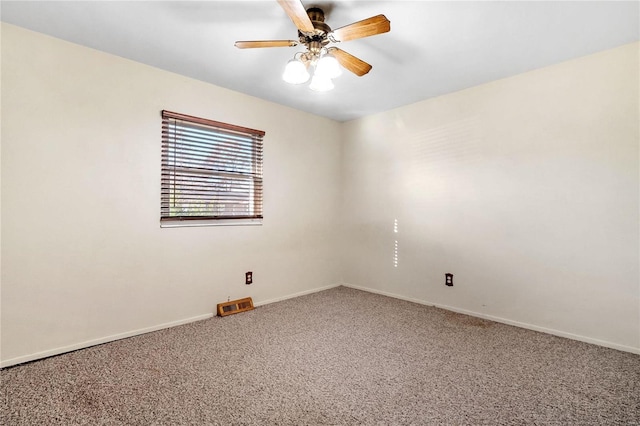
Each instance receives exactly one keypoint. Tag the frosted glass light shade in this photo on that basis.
(320, 83)
(295, 72)
(328, 66)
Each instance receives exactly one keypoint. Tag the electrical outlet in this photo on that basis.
(248, 278)
(448, 279)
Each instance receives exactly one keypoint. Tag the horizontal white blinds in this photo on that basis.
(210, 170)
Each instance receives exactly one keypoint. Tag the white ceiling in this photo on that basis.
(433, 47)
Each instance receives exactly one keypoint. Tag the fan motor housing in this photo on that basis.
(319, 35)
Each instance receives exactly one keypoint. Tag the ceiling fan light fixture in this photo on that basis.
(320, 83)
(328, 66)
(325, 62)
(295, 72)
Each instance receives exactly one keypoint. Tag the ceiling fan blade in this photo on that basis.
(350, 62)
(368, 27)
(298, 14)
(265, 43)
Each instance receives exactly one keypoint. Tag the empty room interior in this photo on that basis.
(445, 233)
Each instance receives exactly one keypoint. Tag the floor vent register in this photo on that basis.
(235, 306)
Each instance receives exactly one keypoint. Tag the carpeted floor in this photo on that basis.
(336, 357)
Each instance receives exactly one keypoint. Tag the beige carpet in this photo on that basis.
(337, 357)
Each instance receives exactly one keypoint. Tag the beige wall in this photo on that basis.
(84, 258)
(526, 189)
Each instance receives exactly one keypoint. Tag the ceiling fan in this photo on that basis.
(316, 35)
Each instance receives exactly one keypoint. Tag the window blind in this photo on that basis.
(210, 170)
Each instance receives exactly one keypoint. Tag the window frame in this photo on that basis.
(211, 165)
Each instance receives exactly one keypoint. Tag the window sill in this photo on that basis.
(197, 223)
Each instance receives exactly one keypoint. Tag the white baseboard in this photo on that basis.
(89, 343)
(291, 296)
(93, 342)
(528, 326)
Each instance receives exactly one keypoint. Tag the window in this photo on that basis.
(211, 171)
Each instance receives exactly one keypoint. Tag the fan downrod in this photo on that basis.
(315, 14)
